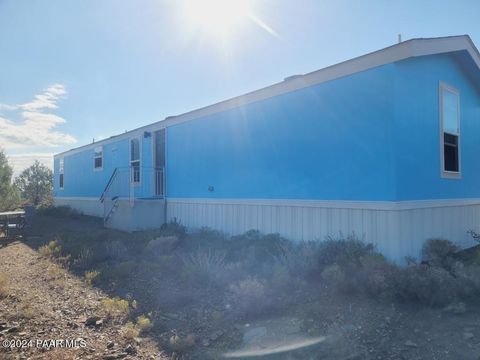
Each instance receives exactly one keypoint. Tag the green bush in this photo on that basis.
(256, 248)
(205, 238)
(300, 258)
(130, 331)
(439, 252)
(281, 278)
(249, 296)
(52, 249)
(468, 278)
(143, 324)
(58, 211)
(351, 266)
(122, 270)
(115, 308)
(475, 235)
(83, 258)
(208, 264)
(161, 246)
(91, 276)
(334, 275)
(427, 285)
(344, 252)
(115, 250)
(173, 227)
(377, 276)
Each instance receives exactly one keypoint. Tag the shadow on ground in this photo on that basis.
(209, 296)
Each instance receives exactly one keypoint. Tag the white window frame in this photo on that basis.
(136, 183)
(95, 156)
(447, 174)
(61, 172)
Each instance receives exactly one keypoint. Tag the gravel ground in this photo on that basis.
(44, 305)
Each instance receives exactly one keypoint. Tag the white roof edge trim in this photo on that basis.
(397, 52)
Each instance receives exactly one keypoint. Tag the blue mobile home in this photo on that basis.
(386, 145)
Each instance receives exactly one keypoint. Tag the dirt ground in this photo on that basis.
(46, 302)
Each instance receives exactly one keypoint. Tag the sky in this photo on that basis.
(73, 71)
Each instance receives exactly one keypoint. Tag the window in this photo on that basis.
(450, 131)
(60, 173)
(98, 158)
(135, 160)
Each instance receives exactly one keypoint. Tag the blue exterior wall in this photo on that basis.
(417, 129)
(82, 180)
(372, 136)
(330, 141)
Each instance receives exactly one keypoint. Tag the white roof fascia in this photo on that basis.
(401, 51)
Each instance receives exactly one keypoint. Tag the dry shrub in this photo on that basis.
(162, 245)
(52, 249)
(206, 264)
(144, 324)
(431, 286)
(439, 252)
(300, 259)
(3, 285)
(122, 270)
(56, 272)
(249, 296)
(334, 276)
(91, 276)
(58, 211)
(343, 252)
(84, 258)
(468, 277)
(115, 250)
(130, 331)
(173, 227)
(26, 310)
(116, 308)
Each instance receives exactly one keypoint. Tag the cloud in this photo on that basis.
(19, 162)
(36, 127)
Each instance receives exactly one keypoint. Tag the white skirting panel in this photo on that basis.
(398, 229)
(85, 205)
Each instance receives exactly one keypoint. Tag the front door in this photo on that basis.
(159, 162)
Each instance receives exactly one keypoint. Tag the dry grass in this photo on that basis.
(55, 272)
(91, 276)
(143, 324)
(50, 250)
(3, 285)
(130, 331)
(115, 308)
(27, 311)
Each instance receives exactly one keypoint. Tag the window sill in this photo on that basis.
(451, 175)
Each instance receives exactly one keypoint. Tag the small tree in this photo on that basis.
(36, 183)
(9, 197)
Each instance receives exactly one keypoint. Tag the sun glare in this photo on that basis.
(222, 17)
(219, 16)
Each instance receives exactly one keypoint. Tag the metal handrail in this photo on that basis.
(110, 181)
(132, 183)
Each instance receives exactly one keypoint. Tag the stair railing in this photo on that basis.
(111, 193)
(109, 183)
(131, 183)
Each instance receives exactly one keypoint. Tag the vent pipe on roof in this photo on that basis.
(399, 38)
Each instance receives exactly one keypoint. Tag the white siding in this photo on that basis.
(87, 206)
(397, 231)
